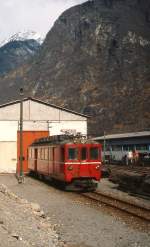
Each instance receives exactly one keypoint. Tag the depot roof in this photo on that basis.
(123, 135)
(44, 103)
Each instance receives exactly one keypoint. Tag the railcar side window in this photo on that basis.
(94, 153)
(42, 153)
(46, 153)
(83, 154)
(72, 153)
(39, 153)
(30, 153)
(62, 154)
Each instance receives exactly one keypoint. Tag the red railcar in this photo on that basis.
(73, 161)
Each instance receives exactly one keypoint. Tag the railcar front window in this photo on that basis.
(72, 153)
(94, 153)
(83, 154)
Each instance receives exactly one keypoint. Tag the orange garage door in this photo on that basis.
(28, 139)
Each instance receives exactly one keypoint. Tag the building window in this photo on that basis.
(125, 148)
(143, 147)
(116, 148)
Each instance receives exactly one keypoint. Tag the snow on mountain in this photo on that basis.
(25, 35)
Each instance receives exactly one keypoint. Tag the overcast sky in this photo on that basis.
(36, 15)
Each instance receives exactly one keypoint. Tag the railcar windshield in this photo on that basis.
(72, 153)
(83, 153)
(94, 153)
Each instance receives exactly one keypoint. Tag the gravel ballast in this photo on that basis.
(23, 223)
(78, 224)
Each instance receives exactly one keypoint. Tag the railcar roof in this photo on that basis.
(61, 140)
(56, 139)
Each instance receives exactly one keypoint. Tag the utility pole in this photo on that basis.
(21, 175)
(104, 147)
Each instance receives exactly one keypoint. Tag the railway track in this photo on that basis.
(135, 169)
(119, 204)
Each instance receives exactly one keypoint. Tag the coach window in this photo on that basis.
(72, 153)
(83, 153)
(94, 153)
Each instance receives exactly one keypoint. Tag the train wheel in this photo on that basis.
(40, 176)
(73, 188)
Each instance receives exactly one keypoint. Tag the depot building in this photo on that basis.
(40, 119)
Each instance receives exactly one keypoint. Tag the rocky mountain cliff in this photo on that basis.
(15, 53)
(96, 60)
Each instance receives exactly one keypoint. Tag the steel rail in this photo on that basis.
(134, 169)
(122, 205)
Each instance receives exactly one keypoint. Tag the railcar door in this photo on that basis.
(51, 160)
(72, 162)
(54, 161)
(57, 162)
(84, 167)
(95, 161)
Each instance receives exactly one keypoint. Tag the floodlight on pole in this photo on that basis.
(21, 175)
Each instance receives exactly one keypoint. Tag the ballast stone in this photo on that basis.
(35, 207)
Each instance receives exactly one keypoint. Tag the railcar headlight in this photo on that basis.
(97, 167)
(70, 168)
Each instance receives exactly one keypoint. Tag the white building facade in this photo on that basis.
(37, 116)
